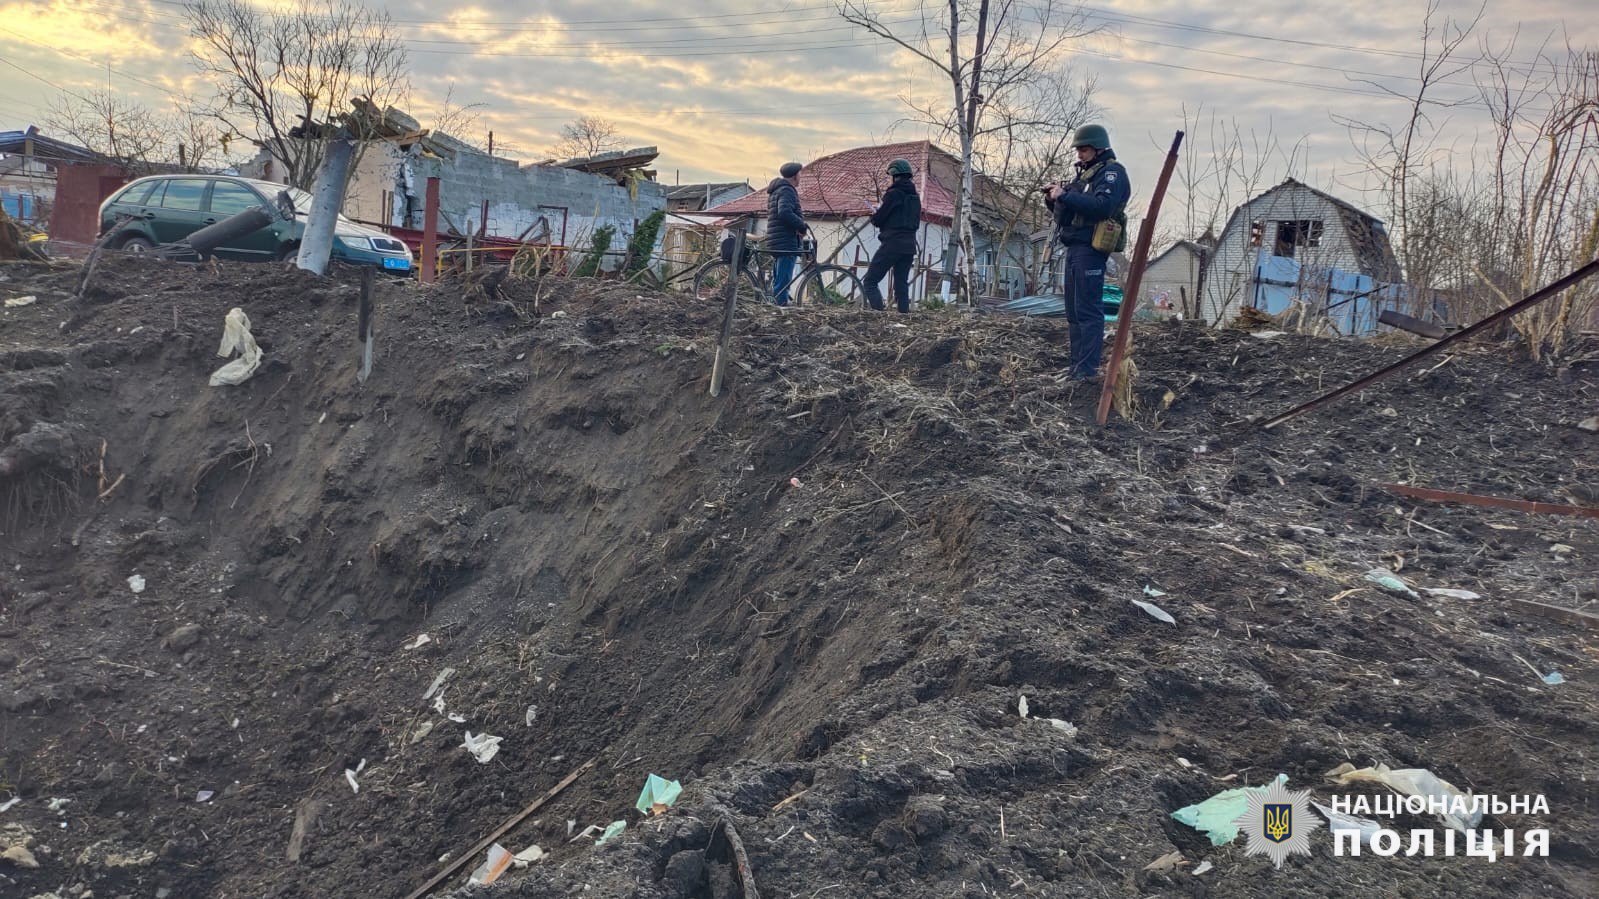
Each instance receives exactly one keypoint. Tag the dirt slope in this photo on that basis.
(618, 567)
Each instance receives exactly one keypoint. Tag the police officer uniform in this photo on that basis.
(897, 220)
(1099, 193)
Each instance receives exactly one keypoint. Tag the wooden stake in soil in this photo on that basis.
(735, 852)
(1497, 502)
(719, 366)
(518, 818)
(363, 325)
(1135, 277)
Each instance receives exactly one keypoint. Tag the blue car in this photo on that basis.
(168, 208)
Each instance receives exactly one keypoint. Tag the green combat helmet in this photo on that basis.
(1091, 136)
(899, 167)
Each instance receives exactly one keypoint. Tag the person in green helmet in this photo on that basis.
(897, 220)
(1090, 223)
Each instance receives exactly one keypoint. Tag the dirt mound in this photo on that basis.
(816, 600)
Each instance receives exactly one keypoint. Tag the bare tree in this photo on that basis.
(988, 51)
(1397, 157)
(458, 120)
(588, 136)
(1023, 147)
(1483, 225)
(139, 137)
(282, 74)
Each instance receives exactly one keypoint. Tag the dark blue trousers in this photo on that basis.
(1085, 309)
(782, 273)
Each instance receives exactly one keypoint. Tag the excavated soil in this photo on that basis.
(815, 599)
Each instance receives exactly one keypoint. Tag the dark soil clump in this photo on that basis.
(816, 599)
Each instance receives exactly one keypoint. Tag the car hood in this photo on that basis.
(347, 228)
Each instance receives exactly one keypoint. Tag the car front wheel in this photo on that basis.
(136, 245)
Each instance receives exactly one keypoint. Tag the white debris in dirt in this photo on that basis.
(6, 806)
(422, 730)
(1591, 425)
(350, 775)
(1067, 727)
(1203, 868)
(136, 583)
(57, 805)
(456, 717)
(420, 641)
(20, 856)
(1021, 705)
(1449, 593)
(438, 682)
(16, 302)
(482, 746)
(528, 856)
(532, 714)
(1154, 611)
(204, 795)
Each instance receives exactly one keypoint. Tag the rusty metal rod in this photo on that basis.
(1135, 277)
(1561, 613)
(1495, 502)
(516, 819)
(735, 271)
(1530, 301)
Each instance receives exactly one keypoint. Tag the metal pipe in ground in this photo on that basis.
(1135, 278)
(327, 198)
(735, 271)
(430, 232)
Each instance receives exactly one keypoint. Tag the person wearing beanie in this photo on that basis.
(1091, 223)
(785, 224)
(897, 220)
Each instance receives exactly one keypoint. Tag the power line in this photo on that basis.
(651, 23)
(1153, 22)
(7, 62)
(93, 62)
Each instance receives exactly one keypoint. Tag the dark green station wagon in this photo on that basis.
(168, 208)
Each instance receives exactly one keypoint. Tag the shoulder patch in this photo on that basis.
(1110, 176)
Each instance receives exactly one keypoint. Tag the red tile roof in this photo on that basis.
(845, 184)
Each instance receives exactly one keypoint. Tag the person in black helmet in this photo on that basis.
(785, 224)
(896, 220)
(1090, 223)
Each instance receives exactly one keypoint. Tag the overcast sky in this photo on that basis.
(728, 93)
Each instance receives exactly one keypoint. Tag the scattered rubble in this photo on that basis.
(829, 671)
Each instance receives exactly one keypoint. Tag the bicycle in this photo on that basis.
(813, 284)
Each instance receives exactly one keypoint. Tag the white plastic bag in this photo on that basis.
(482, 746)
(236, 337)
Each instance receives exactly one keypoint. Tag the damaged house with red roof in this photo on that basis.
(838, 192)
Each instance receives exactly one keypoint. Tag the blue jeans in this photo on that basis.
(1085, 309)
(782, 273)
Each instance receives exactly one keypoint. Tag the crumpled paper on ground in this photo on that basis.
(236, 337)
(1412, 782)
(482, 746)
(658, 791)
(1217, 817)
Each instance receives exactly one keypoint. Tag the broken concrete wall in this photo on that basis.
(528, 201)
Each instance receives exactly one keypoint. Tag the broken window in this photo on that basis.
(1256, 229)
(1294, 234)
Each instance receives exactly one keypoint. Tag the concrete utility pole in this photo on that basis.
(316, 244)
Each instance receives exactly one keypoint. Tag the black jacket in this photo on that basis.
(785, 221)
(899, 217)
(1100, 191)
